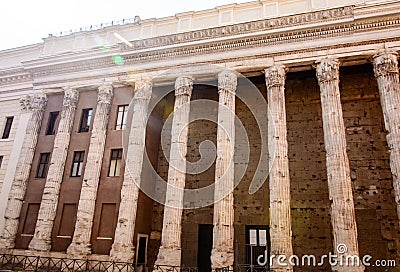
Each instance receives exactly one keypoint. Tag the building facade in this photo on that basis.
(206, 141)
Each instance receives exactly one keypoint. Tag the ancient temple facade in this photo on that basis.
(249, 137)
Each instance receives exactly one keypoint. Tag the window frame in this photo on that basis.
(52, 123)
(7, 127)
(86, 120)
(120, 122)
(43, 166)
(114, 168)
(77, 159)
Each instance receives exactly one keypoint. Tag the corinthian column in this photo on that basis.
(170, 250)
(122, 248)
(84, 219)
(222, 254)
(279, 180)
(387, 74)
(42, 237)
(32, 106)
(337, 163)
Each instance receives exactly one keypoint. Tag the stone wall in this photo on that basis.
(310, 205)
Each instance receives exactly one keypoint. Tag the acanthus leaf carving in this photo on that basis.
(275, 76)
(33, 102)
(184, 85)
(105, 93)
(227, 81)
(327, 70)
(71, 97)
(385, 63)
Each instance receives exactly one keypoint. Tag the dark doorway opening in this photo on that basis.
(204, 248)
(257, 243)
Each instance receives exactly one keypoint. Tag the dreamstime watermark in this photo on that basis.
(341, 259)
(204, 110)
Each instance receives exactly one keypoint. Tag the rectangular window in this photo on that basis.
(257, 243)
(52, 124)
(1, 160)
(115, 163)
(85, 120)
(121, 117)
(77, 164)
(43, 165)
(7, 127)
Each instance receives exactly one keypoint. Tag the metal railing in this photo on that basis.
(165, 268)
(49, 264)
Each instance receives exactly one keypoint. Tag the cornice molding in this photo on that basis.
(328, 31)
(244, 28)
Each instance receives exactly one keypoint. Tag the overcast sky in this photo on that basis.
(24, 22)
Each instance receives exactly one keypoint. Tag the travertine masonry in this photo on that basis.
(42, 238)
(83, 228)
(387, 74)
(170, 250)
(279, 211)
(338, 170)
(33, 105)
(222, 254)
(122, 248)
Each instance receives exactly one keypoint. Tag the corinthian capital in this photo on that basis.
(33, 102)
(184, 85)
(227, 81)
(105, 93)
(275, 76)
(385, 63)
(143, 89)
(71, 97)
(327, 70)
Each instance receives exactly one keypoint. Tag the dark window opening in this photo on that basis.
(85, 120)
(115, 163)
(77, 163)
(1, 160)
(52, 124)
(121, 117)
(43, 165)
(7, 127)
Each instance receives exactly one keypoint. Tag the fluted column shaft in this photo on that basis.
(338, 170)
(33, 105)
(123, 248)
(84, 220)
(222, 254)
(279, 180)
(387, 75)
(170, 250)
(47, 212)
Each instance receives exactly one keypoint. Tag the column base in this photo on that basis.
(168, 257)
(40, 244)
(122, 252)
(221, 259)
(77, 249)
